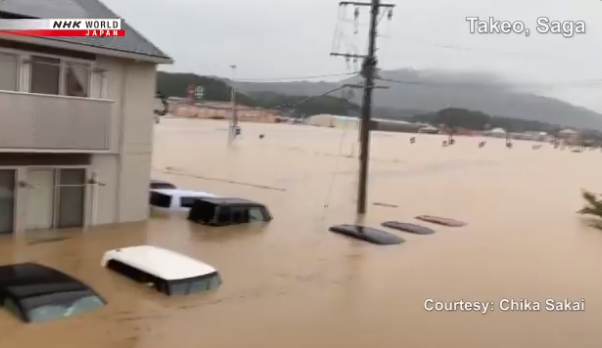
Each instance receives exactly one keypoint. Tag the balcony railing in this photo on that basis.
(50, 123)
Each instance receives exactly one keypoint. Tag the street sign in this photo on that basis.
(199, 92)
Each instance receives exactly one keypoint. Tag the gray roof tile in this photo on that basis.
(133, 42)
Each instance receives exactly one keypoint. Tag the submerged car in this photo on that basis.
(367, 234)
(225, 211)
(175, 199)
(164, 270)
(36, 293)
(161, 184)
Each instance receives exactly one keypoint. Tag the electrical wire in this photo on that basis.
(337, 31)
(288, 105)
(344, 41)
(293, 104)
(596, 83)
(334, 172)
(301, 78)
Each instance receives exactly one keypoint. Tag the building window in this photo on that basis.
(45, 75)
(77, 79)
(9, 71)
(56, 77)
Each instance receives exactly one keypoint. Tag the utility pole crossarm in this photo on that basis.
(348, 55)
(363, 86)
(356, 3)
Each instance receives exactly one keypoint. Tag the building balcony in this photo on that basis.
(50, 123)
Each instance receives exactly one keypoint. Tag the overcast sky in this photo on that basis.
(289, 38)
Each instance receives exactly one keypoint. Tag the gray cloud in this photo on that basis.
(270, 38)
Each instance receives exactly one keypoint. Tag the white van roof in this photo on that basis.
(183, 193)
(162, 263)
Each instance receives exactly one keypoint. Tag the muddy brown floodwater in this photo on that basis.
(292, 284)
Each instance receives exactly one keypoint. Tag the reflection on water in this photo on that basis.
(293, 284)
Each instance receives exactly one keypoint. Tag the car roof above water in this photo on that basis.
(162, 263)
(231, 201)
(157, 181)
(30, 279)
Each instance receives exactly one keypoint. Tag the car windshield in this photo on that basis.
(184, 287)
(160, 200)
(258, 214)
(64, 310)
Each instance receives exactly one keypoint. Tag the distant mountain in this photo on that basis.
(216, 89)
(429, 91)
(177, 84)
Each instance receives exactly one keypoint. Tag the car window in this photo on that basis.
(64, 310)
(187, 202)
(223, 215)
(256, 214)
(161, 200)
(137, 275)
(129, 271)
(240, 215)
(195, 285)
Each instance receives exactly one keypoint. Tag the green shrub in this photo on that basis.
(592, 208)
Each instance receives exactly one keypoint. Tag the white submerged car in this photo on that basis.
(167, 271)
(176, 200)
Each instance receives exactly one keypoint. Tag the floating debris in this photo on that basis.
(385, 205)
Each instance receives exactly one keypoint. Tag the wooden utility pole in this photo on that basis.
(234, 120)
(368, 72)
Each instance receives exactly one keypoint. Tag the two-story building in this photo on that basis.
(76, 122)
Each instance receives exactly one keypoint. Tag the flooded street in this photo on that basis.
(293, 284)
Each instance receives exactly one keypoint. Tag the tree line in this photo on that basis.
(476, 120)
(177, 84)
(479, 121)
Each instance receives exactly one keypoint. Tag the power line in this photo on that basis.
(308, 77)
(594, 82)
(292, 104)
(351, 43)
(369, 73)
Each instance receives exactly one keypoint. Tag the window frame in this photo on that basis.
(24, 69)
(17, 81)
(30, 64)
(64, 66)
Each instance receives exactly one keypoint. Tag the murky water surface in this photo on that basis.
(292, 284)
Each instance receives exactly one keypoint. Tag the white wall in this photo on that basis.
(322, 120)
(127, 172)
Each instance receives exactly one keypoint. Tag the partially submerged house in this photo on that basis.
(76, 116)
